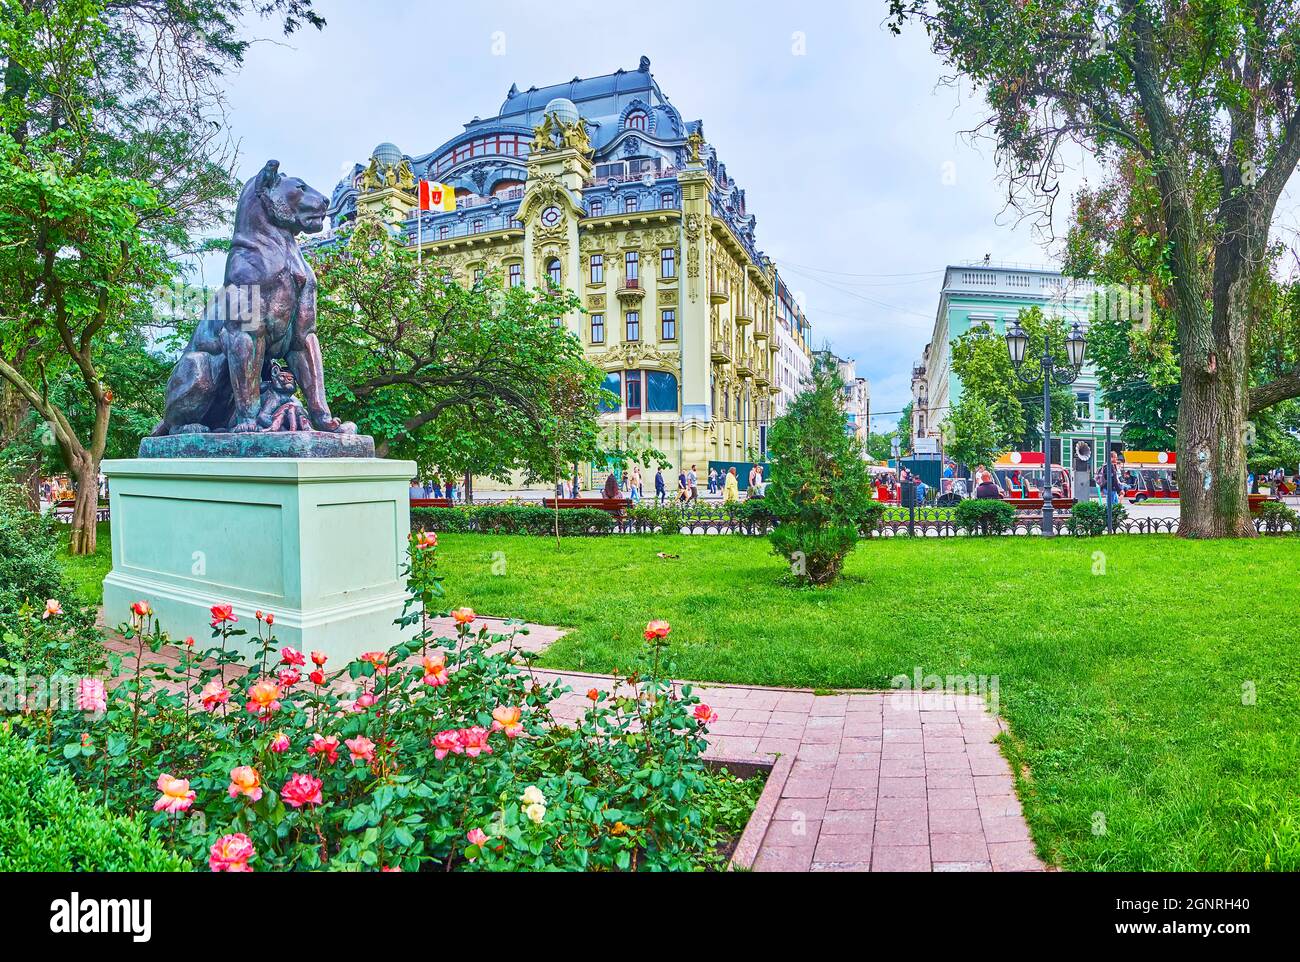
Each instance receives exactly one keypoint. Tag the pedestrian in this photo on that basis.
(988, 488)
(759, 484)
(611, 487)
(731, 488)
(692, 484)
(415, 491)
(635, 481)
(713, 481)
(661, 493)
(753, 478)
(682, 496)
(1111, 480)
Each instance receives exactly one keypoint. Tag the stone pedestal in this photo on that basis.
(319, 542)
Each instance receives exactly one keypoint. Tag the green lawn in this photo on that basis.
(1124, 690)
(86, 572)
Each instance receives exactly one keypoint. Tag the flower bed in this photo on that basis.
(436, 754)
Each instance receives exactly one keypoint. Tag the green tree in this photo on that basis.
(466, 381)
(110, 160)
(969, 433)
(1208, 95)
(820, 484)
(981, 361)
(904, 430)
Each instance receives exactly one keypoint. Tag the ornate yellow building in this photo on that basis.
(598, 186)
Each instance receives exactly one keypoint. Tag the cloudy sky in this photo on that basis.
(848, 148)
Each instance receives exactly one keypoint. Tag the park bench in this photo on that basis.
(63, 511)
(1036, 504)
(615, 506)
(431, 503)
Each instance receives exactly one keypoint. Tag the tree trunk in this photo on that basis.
(1212, 424)
(469, 488)
(14, 411)
(84, 531)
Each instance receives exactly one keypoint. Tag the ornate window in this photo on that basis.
(516, 275)
(636, 120)
(443, 231)
(597, 208)
(660, 391)
(668, 262)
(632, 265)
(554, 273)
(666, 199)
(633, 325)
(598, 268)
(668, 325)
(478, 225)
(633, 381)
(597, 328)
(630, 205)
(614, 385)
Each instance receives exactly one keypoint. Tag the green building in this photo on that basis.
(993, 294)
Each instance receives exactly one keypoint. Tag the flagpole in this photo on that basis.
(419, 225)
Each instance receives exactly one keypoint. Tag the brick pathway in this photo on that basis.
(868, 781)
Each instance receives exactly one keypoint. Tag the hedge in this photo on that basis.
(1275, 517)
(1088, 518)
(984, 516)
(47, 824)
(512, 519)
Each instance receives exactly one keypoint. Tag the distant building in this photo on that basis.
(793, 355)
(601, 186)
(857, 395)
(992, 295)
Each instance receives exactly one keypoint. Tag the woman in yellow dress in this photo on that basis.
(730, 490)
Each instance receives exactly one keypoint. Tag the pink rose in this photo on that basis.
(176, 797)
(245, 781)
(301, 789)
(291, 656)
(446, 743)
(213, 695)
(329, 747)
(231, 853)
(361, 749)
(91, 696)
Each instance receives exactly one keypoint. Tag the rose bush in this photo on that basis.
(435, 754)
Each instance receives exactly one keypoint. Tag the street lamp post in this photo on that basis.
(1075, 346)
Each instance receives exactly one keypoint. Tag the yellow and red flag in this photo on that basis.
(435, 196)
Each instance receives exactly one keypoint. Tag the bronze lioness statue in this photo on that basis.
(265, 311)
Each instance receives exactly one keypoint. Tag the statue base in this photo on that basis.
(260, 444)
(318, 542)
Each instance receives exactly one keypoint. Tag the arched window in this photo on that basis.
(554, 273)
(636, 120)
(614, 385)
(478, 226)
(660, 391)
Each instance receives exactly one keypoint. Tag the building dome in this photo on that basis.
(387, 154)
(565, 111)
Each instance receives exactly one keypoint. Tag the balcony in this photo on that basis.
(744, 364)
(745, 313)
(721, 350)
(762, 376)
(719, 293)
(631, 291)
(762, 329)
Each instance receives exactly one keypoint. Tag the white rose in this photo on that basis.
(536, 812)
(533, 796)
